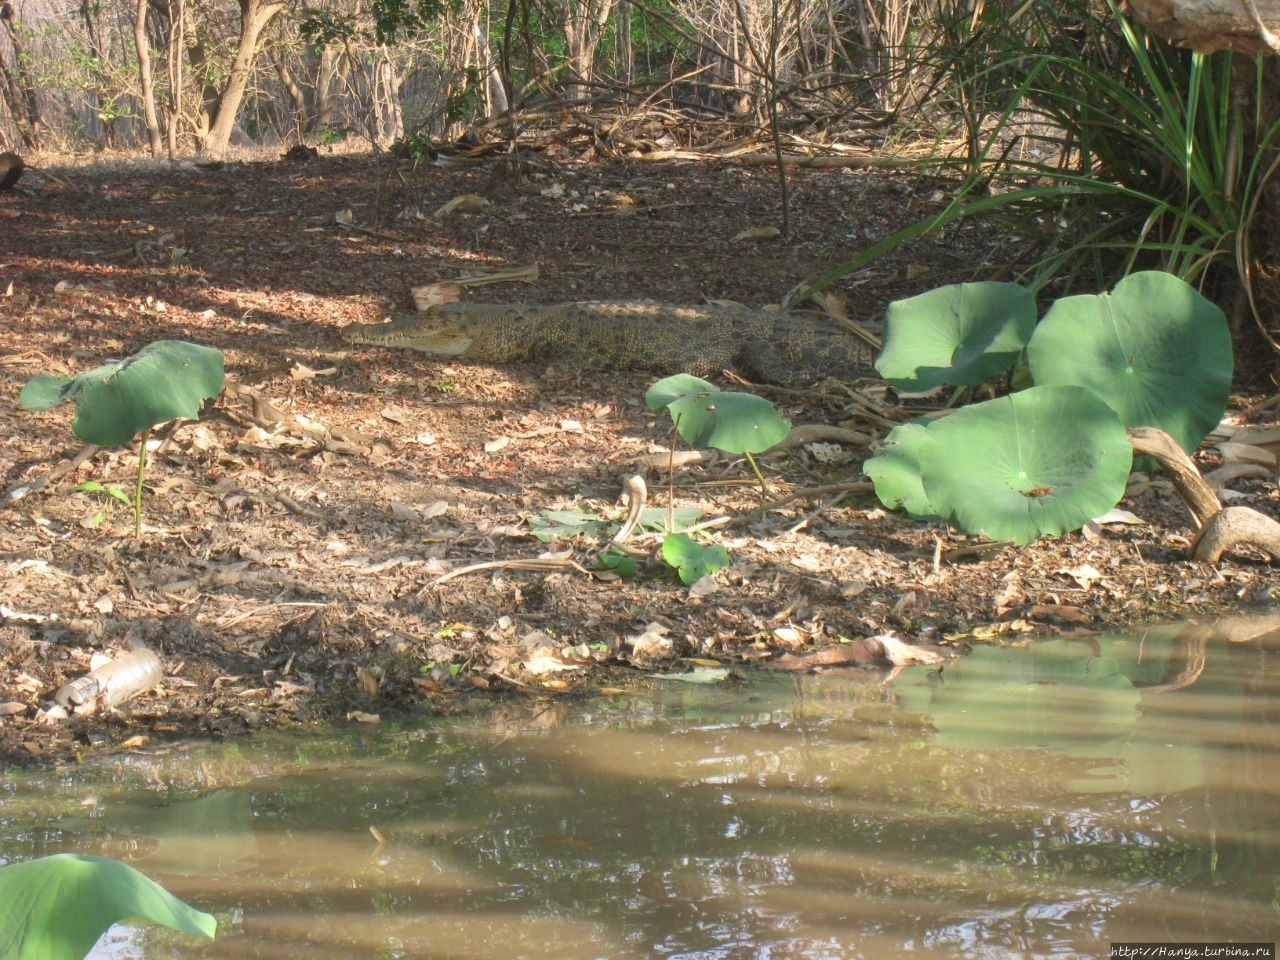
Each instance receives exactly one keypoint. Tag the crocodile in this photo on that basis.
(600, 335)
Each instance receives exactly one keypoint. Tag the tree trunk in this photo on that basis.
(254, 17)
(143, 48)
(98, 87)
(584, 25)
(626, 54)
(385, 97)
(322, 96)
(495, 95)
(297, 97)
(176, 46)
(19, 87)
(187, 48)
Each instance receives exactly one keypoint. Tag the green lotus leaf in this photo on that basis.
(706, 416)
(669, 519)
(550, 525)
(963, 334)
(1154, 349)
(728, 421)
(693, 560)
(163, 381)
(670, 389)
(1043, 461)
(55, 908)
(895, 471)
(620, 563)
(45, 391)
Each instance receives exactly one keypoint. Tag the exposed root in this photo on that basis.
(1233, 527)
(1221, 529)
(1196, 494)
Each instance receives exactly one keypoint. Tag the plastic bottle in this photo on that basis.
(114, 682)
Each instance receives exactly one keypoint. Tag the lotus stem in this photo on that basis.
(764, 485)
(137, 493)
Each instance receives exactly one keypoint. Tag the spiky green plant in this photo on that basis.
(1111, 150)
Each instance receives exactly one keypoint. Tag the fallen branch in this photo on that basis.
(806, 433)
(545, 564)
(57, 473)
(261, 412)
(807, 493)
(1217, 479)
(845, 161)
(800, 435)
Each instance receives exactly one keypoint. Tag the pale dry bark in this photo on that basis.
(323, 102)
(1195, 493)
(177, 44)
(626, 55)
(1233, 526)
(385, 98)
(1206, 25)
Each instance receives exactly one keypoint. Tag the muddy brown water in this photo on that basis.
(1036, 802)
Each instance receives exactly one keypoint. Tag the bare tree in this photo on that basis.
(753, 40)
(585, 22)
(302, 118)
(255, 15)
(385, 98)
(306, 73)
(495, 92)
(177, 47)
(143, 47)
(626, 44)
(180, 70)
(19, 87)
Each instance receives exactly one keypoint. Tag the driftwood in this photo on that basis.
(1249, 26)
(1221, 530)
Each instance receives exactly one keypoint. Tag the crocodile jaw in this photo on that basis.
(440, 342)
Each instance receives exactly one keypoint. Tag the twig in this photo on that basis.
(860, 486)
(545, 563)
(57, 473)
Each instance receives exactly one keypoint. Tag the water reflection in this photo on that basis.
(1022, 802)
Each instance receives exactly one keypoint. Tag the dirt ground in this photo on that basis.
(290, 572)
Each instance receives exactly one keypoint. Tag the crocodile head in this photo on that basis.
(427, 332)
(498, 333)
